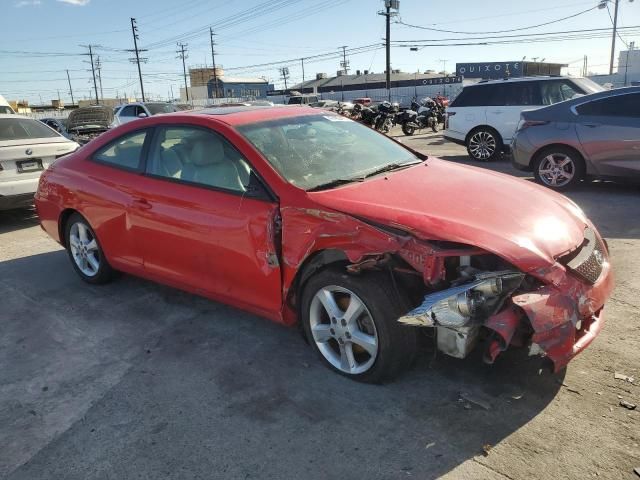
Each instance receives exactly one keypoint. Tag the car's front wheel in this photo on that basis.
(559, 168)
(484, 144)
(352, 324)
(85, 252)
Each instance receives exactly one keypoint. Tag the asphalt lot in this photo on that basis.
(137, 380)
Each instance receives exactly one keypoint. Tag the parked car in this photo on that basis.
(593, 136)
(27, 147)
(5, 107)
(306, 216)
(484, 116)
(365, 101)
(133, 111)
(85, 124)
(58, 124)
(302, 99)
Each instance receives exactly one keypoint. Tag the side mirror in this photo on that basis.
(256, 189)
(142, 115)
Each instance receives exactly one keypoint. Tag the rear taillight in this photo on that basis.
(530, 123)
(446, 119)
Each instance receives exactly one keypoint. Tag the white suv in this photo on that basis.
(133, 111)
(484, 116)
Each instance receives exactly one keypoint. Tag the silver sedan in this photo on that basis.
(595, 135)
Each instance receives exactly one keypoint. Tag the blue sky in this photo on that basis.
(43, 38)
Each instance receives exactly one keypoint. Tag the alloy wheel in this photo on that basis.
(84, 249)
(343, 329)
(557, 170)
(482, 145)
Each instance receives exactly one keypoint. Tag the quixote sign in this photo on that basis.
(489, 70)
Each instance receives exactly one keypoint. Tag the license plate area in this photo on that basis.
(31, 165)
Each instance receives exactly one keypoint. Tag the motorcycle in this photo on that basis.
(366, 115)
(385, 119)
(419, 117)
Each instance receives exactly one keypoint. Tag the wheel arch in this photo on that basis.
(62, 222)
(314, 262)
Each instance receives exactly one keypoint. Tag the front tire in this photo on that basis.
(351, 322)
(85, 252)
(484, 144)
(558, 168)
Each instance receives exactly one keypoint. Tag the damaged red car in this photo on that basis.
(308, 217)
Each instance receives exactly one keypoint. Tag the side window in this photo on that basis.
(471, 97)
(494, 95)
(554, 91)
(125, 152)
(128, 111)
(627, 105)
(521, 93)
(198, 156)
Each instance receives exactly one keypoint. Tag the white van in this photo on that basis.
(484, 116)
(4, 106)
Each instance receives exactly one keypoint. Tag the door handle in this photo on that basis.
(141, 203)
(496, 111)
(591, 125)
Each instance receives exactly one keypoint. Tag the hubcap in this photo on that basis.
(482, 145)
(343, 329)
(557, 170)
(84, 249)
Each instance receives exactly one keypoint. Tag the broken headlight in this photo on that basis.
(458, 306)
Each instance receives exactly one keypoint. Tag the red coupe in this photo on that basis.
(306, 216)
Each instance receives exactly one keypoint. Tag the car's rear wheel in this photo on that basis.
(484, 144)
(559, 168)
(85, 252)
(352, 324)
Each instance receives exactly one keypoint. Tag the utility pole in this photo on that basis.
(213, 60)
(134, 31)
(302, 61)
(172, 97)
(344, 64)
(99, 69)
(444, 65)
(182, 54)
(284, 71)
(613, 37)
(93, 71)
(389, 4)
(70, 89)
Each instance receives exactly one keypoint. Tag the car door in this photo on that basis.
(204, 222)
(609, 131)
(467, 111)
(113, 171)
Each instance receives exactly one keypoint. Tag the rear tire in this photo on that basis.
(559, 168)
(484, 144)
(408, 130)
(85, 251)
(361, 339)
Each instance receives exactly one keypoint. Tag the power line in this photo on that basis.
(498, 31)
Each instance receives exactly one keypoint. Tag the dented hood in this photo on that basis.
(525, 224)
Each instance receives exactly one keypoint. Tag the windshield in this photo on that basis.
(314, 150)
(588, 85)
(23, 128)
(156, 108)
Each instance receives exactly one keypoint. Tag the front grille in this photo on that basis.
(588, 260)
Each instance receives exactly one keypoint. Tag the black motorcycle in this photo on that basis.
(385, 118)
(419, 117)
(364, 114)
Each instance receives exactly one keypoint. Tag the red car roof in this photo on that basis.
(244, 115)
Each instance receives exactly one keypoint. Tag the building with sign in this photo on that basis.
(498, 70)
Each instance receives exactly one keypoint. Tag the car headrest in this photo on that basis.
(207, 150)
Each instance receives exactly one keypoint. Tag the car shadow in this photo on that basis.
(12, 220)
(171, 382)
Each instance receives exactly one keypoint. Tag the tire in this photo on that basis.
(384, 347)
(85, 252)
(484, 144)
(407, 130)
(559, 168)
